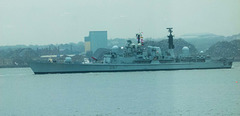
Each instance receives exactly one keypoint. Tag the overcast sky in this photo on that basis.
(63, 21)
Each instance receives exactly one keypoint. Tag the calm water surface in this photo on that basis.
(167, 93)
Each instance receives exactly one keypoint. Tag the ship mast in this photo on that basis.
(139, 38)
(170, 42)
(170, 39)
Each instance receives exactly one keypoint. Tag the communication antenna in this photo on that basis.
(170, 39)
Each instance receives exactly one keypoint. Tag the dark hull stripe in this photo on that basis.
(128, 70)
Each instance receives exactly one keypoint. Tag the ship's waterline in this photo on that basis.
(44, 68)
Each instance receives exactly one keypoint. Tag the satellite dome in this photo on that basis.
(185, 51)
(115, 47)
(185, 48)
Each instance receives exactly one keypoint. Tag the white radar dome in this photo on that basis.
(185, 48)
(115, 47)
(185, 51)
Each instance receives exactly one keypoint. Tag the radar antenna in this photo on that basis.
(170, 39)
(139, 38)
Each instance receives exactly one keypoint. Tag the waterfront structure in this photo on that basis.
(95, 40)
(87, 44)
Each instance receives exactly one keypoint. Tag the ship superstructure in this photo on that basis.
(136, 57)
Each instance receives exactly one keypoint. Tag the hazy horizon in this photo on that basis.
(28, 22)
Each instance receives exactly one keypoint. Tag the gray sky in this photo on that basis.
(63, 21)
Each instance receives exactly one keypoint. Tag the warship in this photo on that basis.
(134, 57)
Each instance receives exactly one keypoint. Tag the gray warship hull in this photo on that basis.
(135, 57)
(46, 68)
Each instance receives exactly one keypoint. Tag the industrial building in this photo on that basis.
(87, 44)
(95, 40)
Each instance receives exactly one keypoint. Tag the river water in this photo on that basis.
(150, 93)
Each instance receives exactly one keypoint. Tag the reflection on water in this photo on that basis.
(184, 92)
